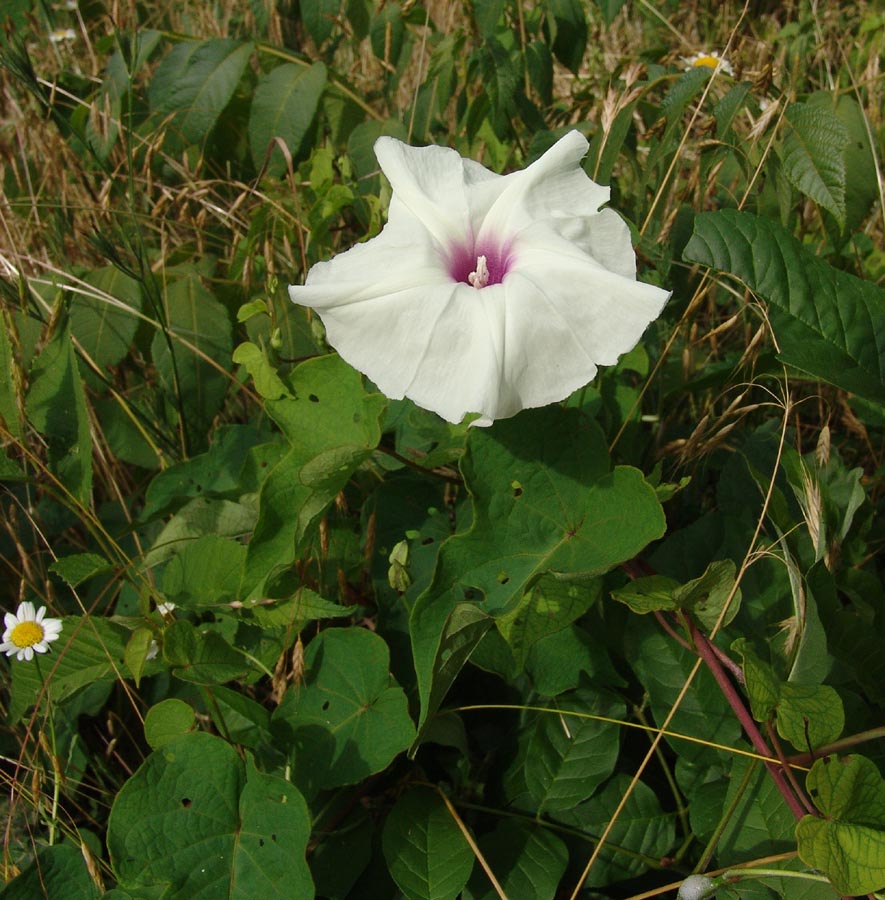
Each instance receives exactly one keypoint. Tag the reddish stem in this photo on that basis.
(708, 655)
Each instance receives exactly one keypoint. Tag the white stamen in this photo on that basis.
(479, 278)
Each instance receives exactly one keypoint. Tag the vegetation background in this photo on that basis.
(298, 658)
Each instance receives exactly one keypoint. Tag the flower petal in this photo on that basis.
(605, 311)
(553, 190)
(10, 621)
(430, 183)
(25, 611)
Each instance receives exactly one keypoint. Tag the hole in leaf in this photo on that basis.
(516, 487)
(186, 802)
(313, 398)
(427, 542)
(325, 705)
(503, 578)
(260, 842)
(469, 594)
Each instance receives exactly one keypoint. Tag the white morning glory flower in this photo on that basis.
(485, 293)
(28, 632)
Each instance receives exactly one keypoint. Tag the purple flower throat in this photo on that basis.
(479, 265)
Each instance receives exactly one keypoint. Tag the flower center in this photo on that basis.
(26, 634)
(480, 277)
(710, 62)
(479, 266)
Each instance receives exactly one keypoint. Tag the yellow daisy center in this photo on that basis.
(26, 634)
(709, 61)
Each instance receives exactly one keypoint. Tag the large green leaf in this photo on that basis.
(201, 343)
(828, 323)
(58, 871)
(195, 82)
(201, 516)
(548, 607)
(206, 572)
(662, 667)
(104, 322)
(217, 472)
(333, 426)
(528, 862)
(350, 718)
(745, 811)
(425, 850)
(283, 106)
(56, 406)
(569, 756)
(813, 155)
(848, 843)
(642, 826)
(198, 821)
(544, 500)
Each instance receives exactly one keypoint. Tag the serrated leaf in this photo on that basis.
(829, 324)
(426, 853)
(56, 406)
(350, 718)
(319, 18)
(194, 84)
(197, 820)
(544, 500)
(848, 844)
(568, 757)
(80, 567)
(813, 155)
(570, 32)
(283, 106)
(487, 14)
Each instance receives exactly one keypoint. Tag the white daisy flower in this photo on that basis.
(709, 60)
(28, 632)
(62, 35)
(485, 293)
